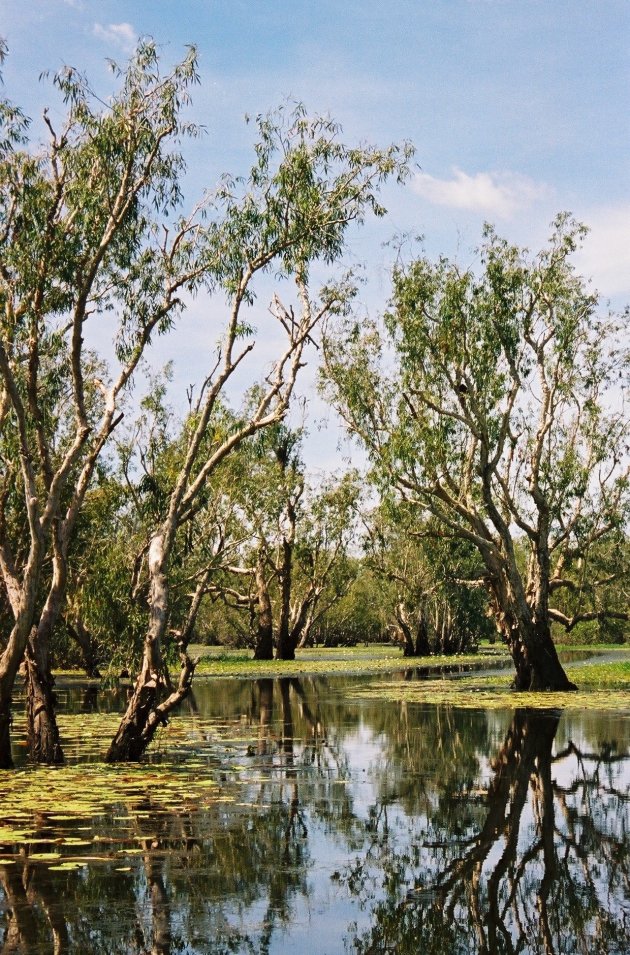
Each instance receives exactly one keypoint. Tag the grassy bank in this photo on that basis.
(601, 685)
(216, 661)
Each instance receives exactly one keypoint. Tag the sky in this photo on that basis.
(518, 109)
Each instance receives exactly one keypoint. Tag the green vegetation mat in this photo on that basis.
(67, 816)
(329, 661)
(604, 686)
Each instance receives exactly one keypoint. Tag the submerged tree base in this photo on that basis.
(603, 687)
(536, 661)
(537, 685)
(146, 713)
(44, 744)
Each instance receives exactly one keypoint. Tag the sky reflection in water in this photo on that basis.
(290, 820)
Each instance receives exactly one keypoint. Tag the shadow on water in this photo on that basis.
(333, 827)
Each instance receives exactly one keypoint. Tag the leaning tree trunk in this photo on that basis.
(154, 696)
(137, 729)
(139, 725)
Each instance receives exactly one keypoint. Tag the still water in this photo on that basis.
(281, 816)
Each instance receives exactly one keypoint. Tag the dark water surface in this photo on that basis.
(282, 816)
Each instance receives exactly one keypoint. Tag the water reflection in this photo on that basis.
(338, 827)
(539, 863)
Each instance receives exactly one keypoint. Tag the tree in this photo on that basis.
(293, 210)
(432, 608)
(362, 612)
(91, 231)
(503, 418)
(296, 539)
(296, 561)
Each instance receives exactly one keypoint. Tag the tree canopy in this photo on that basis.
(493, 400)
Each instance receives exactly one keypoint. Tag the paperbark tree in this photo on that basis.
(84, 237)
(296, 563)
(293, 210)
(503, 418)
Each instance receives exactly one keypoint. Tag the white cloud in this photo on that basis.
(497, 194)
(123, 35)
(605, 256)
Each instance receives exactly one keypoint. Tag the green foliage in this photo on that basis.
(428, 590)
(362, 615)
(492, 400)
(299, 198)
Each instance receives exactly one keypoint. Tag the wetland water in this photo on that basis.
(281, 816)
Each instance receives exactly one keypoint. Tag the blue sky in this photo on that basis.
(517, 108)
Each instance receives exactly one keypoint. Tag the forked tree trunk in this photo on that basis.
(154, 697)
(305, 629)
(404, 631)
(527, 746)
(140, 722)
(135, 731)
(299, 630)
(23, 604)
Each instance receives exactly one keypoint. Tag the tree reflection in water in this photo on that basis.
(544, 868)
(464, 839)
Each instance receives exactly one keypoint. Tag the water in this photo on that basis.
(287, 816)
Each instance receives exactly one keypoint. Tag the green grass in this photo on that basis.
(604, 686)
(371, 658)
(215, 661)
